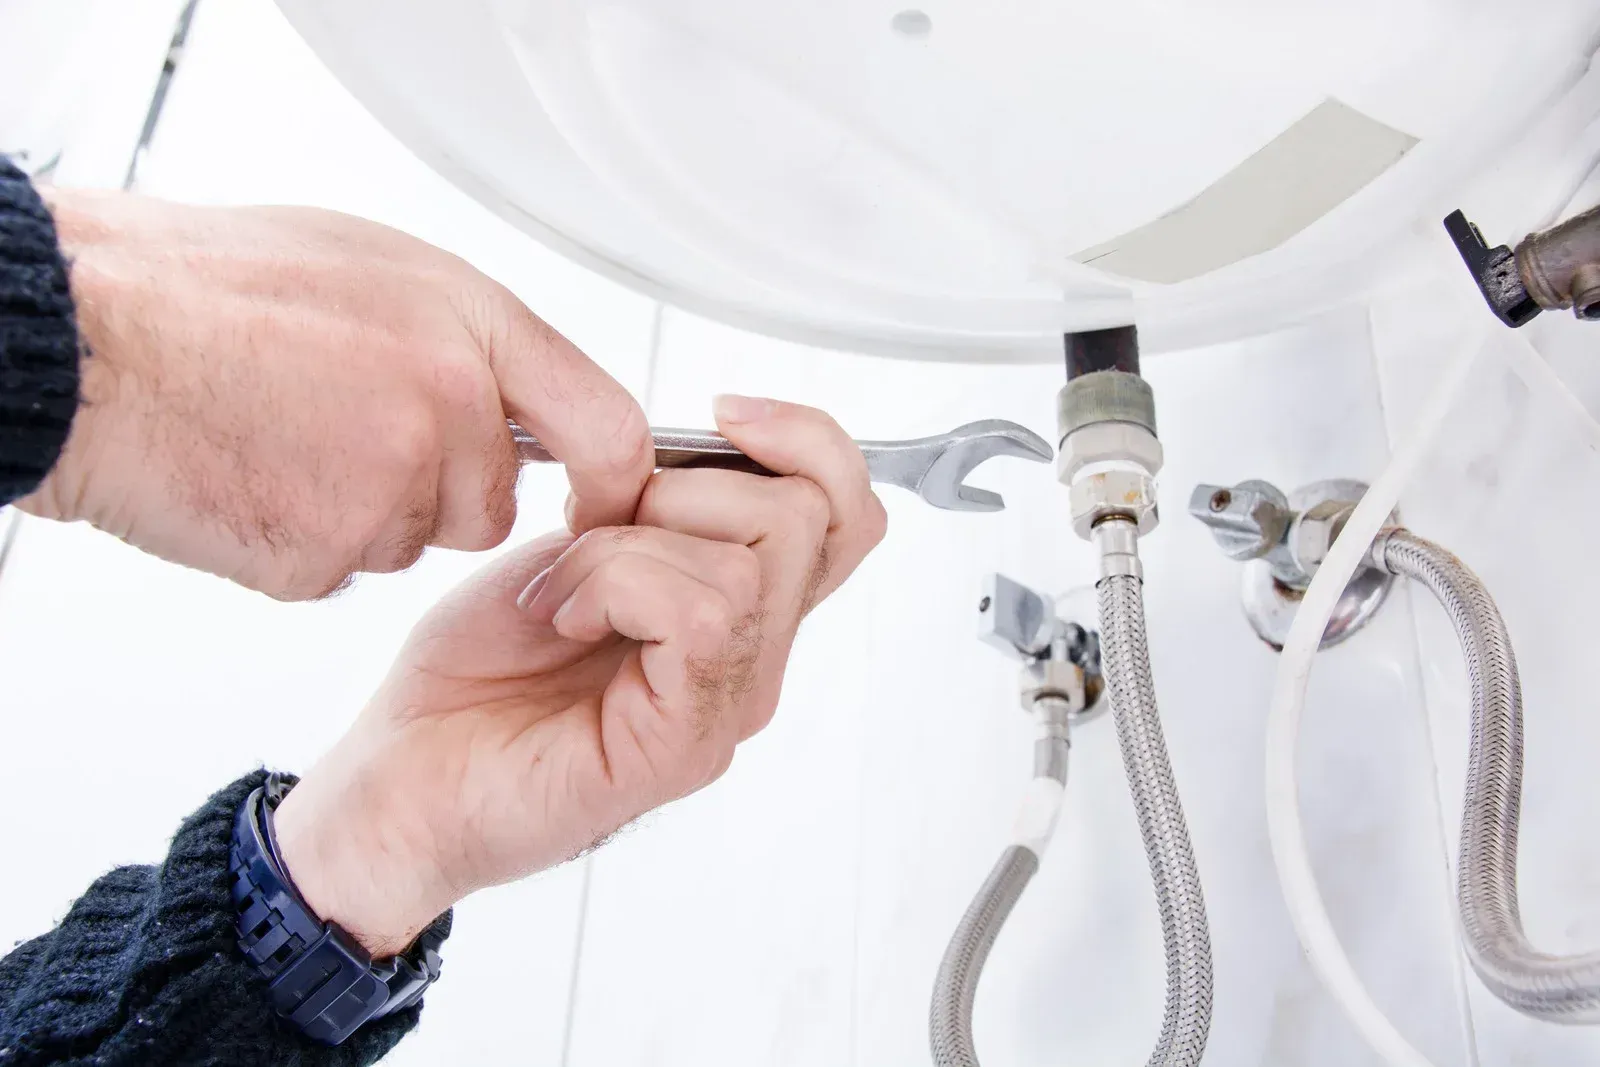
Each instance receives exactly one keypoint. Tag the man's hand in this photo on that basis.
(286, 396)
(578, 683)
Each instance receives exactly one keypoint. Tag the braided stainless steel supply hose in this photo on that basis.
(950, 1022)
(1125, 656)
(956, 987)
(1562, 989)
(1125, 660)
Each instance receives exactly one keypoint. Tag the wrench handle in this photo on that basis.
(674, 449)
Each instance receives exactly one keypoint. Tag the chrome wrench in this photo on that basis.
(935, 468)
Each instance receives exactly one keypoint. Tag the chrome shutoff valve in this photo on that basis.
(1282, 539)
(1060, 659)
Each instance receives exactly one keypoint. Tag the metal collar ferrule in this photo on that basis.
(1117, 538)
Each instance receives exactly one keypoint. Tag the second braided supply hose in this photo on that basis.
(1554, 988)
(1287, 831)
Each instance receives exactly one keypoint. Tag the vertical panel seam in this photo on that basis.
(646, 401)
(1458, 968)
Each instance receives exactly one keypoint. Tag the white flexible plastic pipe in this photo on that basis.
(1285, 829)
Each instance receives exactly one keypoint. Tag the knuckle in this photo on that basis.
(743, 574)
(721, 758)
(809, 505)
(499, 518)
(616, 575)
(363, 531)
(319, 583)
(710, 616)
(707, 759)
(402, 548)
(584, 542)
(499, 513)
(760, 718)
(514, 319)
(401, 557)
(590, 541)
(414, 442)
(627, 535)
(462, 382)
(604, 541)
(626, 444)
(874, 522)
(685, 765)
(689, 772)
(410, 556)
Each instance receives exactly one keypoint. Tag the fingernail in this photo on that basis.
(730, 407)
(569, 512)
(525, 599)
(562, 612)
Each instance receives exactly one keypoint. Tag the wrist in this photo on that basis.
(320, 979)
(354, 862)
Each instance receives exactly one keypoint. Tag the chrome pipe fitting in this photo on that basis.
(1109, 455)
(1117, 538)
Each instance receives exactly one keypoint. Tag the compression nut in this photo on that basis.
(1124, 493)
(1108, 442)
(1057, 679)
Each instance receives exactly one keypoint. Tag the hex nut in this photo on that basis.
(1108, 442)
(1312, 534)
(1061, 679)
(1127, 492)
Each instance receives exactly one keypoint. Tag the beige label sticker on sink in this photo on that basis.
(1296, 178)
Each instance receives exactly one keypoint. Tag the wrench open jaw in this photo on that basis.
(935, 468)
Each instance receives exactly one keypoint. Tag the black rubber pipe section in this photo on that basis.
(1098, 350)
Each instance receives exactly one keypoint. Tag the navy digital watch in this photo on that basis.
(320, 979)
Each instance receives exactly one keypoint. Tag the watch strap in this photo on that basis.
(319, 978)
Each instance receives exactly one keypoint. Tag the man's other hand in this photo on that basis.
(577, 683)
(288, 396)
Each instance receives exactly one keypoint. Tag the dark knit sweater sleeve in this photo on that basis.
(38, 339)
(144, 970)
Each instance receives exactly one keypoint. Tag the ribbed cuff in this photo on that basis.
(145, 970)
(38, 339)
